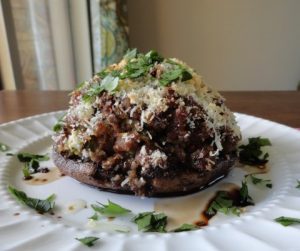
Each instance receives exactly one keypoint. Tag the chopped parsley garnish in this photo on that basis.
(185, 227)
(79, 86)
(4, 147)
(153, 56)
(223, 204)
(95, 217)
(27, 157)
(31, 162)
(151, 222)
(59, 124)
(109, 84)
(287, 221)
(138, 65)
(130, 54)
(251, 154)
(178, 72)
(110, 210)
(298, 185)
(88, 241)
(230, 203)
(259, 181)
(245, 198)
(41, 206)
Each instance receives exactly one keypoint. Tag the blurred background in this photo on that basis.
(233, 44)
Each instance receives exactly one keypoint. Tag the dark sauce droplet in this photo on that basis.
(44, 170)
(111, 218)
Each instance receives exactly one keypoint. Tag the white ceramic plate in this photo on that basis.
(23, 229)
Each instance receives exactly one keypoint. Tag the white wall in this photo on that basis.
(233, 44)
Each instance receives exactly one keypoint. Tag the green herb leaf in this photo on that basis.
(151, 222)
(26, 171)
(102, 74)
(95, 217)
(59, 124)
(245, 198)
(259, 181)
(110, 210)
(88, 241)
(153, 57)
(287, 221)
(185, 227)
(109, 83)
(178, 72)
(298, 185)
(79, 86)
(31, 163)
(222, 203)
(4, 147)
(41, 206)
(135, 68)
(28, 157)
(170, 76)
(57, 127)
(94, 91)
(130, 54)
(251, 154)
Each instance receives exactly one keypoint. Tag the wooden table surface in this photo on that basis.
(279, 106)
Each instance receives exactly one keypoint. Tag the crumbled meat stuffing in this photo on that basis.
(129, 153)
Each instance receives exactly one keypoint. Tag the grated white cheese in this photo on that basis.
(217, 116)
(152, 97)
(75, 142)
(155, 158)
(82, 111)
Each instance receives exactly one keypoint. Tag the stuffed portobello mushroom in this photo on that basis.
(147, 126)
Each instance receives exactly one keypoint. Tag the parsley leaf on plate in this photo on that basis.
(259, 181)
(185, 227)
(298, 185)
(41, 206)
(251, 154)
(31, 162)
(27, 157)
(151, 222)
(4, 147)
(224, 204)
(287, 221)
(228, 203)
(245, 198)
(88, 241)
(110, 210)
(94, 217)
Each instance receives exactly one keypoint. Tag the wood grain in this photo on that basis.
(280, 106)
